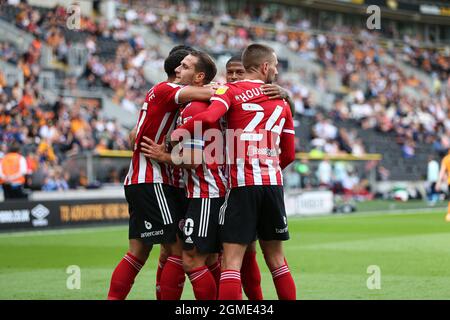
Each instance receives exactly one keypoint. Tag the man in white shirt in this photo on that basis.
(432, 178)
(324, 173)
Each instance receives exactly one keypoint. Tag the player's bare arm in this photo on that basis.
(274, 91)
(192, 93)
(158, 152)
(211, 115)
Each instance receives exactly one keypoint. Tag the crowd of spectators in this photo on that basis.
(376, 94)
(381, 96)
(49, 132)
(117, 66)
(339, 176)
(331, 140)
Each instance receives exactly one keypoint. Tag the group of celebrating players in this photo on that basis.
(206, 198)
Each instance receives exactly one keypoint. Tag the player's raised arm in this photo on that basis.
(287, 141)
(220, 103)
(191, 93)
(173, 94)
(274, 91)
(211, 115)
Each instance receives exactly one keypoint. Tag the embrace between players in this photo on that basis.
(207, 202)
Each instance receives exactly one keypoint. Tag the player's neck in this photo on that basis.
(198, 84)
(254, 76)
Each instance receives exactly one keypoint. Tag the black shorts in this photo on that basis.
(201, 226)
(156, 210)
(251, 212)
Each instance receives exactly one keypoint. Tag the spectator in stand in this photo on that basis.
(55, 181)
(408, 149)
(13, 171)
(374, 93)
(358, 148)
(324, 173)
(292, 179)
(350, 183)
(339, 175)
(303, 169)
(432, 178)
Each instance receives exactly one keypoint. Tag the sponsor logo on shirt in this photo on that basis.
(255, 151)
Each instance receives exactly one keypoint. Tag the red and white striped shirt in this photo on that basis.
(258, 128)
(207, 180)
(156, 119)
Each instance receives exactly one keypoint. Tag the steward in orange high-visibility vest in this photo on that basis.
(13, 168)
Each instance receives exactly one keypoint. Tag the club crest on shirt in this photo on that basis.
(221, 90)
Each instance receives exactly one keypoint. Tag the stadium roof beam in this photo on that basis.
(360, 9)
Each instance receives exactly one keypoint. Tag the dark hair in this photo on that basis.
(236, 58)
(14, 147)
(205, 64)
(255, 55)
(174, 60)
(181, 47)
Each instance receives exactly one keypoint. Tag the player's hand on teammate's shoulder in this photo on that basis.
(274, 91)
(213, 85)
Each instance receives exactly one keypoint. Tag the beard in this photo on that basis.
(271, 78)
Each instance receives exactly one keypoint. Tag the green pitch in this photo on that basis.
(328, 256)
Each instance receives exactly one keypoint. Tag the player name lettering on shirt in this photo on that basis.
(248, 94)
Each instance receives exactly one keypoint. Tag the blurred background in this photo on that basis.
(372, 115)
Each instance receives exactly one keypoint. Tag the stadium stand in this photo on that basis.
(372, 93)
(349, 78)
(49, 132)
